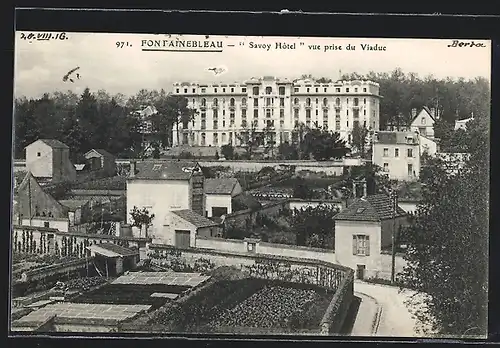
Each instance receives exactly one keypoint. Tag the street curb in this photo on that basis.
(378, 314)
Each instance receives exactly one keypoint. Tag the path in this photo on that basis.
(395, 318)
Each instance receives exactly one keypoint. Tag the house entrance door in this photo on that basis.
(182, 238)
(360, 273)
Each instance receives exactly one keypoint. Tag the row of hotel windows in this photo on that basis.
(409, 152)
(269, 90)
(270, 112)
(270, 101)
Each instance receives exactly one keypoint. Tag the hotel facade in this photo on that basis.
(226, 112)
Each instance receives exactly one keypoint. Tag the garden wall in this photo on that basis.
(291, 269)
(386, 265)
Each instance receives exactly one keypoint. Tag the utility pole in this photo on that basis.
(394, 203)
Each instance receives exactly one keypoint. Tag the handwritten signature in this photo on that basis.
(458, 43)
(44, 36)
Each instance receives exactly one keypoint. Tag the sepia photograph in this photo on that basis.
(250, 185)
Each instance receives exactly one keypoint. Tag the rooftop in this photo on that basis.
(371, 208)
(194, 218)
(67, 310)
(73, 203)
(220, 186)
(166, 170)
(164, 278)
(101, 152)
(53, 143)
(112, 250)
(403, 138)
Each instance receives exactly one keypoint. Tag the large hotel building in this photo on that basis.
(225, 111)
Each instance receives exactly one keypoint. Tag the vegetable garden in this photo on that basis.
(245, 305)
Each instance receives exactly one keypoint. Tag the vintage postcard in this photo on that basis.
(173, 184)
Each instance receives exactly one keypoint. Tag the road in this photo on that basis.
(382, 312)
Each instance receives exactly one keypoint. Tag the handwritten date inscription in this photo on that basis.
(44, 36)
(458, 43)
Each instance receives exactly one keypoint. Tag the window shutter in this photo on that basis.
(367, 241)
(354, 245)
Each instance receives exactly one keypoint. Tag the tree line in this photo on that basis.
(100, 120)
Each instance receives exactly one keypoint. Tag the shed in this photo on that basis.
(100, 159)
(113, 259)
(186, 224)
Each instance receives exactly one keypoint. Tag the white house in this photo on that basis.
(186, 225)
(219, 194)
(398, 154)
(163, 186)
(49, 159)
(462, 124)
(423, 123)
(363, 230)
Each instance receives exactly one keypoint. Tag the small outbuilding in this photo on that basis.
(99, 159)
(112, 259)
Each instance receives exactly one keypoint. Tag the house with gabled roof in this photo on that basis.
(423, 122)
(186, 225)
(48, 159)
(100, 159)
(363, 231)
(161, 186)
(219, 194)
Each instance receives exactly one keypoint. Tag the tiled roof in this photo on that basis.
(194, 218)
(55, 144)
(102, 152)
(166, 170)
(372, 208)
(220, 186)
(386, 137)
(114, 249)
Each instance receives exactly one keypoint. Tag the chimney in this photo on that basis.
(413, 112)
(132, 169)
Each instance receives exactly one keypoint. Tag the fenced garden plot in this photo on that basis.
(247, 304)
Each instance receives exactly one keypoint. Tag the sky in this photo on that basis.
(41, 65)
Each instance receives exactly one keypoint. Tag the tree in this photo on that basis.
(250, 139)
(177, 110)
(359, 139)
(287, 151)
(269, 138)
(301, 189)
(324, 145)
(448, 243)
(227, 151)
(315, 226)
(142, 219)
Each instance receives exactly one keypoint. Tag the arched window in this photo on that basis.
(215, 101)
(356, 101)
(244, 101)
(296, 101)
(308, 101)
(204, 102)
(282, 90)
(325, 101)
(337, 101)
(231, 101)
(317, 101)
(269, 90)
(256, 90)
(203, 138)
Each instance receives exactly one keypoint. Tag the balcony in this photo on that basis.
(308, 106)
(203, 107)
(232, 107)
(296, 106)
(338, 107)
(215, 106)
(356, 107)
(244, 106)
(325, 107)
